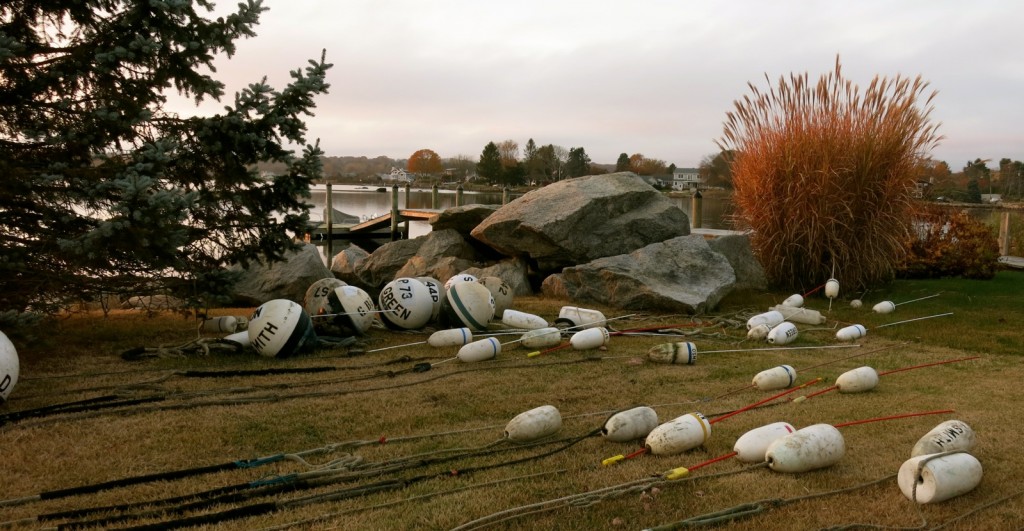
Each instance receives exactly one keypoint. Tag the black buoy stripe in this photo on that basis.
(464, 312)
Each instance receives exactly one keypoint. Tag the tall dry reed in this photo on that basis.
(824, 174)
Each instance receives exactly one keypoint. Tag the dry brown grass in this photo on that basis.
(823, 174)
(467, 405)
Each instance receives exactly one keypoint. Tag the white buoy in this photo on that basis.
(315, 299)
(832, 288)
(680, 353)
(589, 338)
(581, 317)
(794, 301)
(242, 338)
(453, 337)
(280, 328)
(355, 311)
(800, 315)
(856, 303)
(517, 319)
(810, 448)
(542, 338)
(851, 333)
(480, 350)
(456, 279)
(857, 380)
(770, 318)
(535, 424)
(783, 334)
(630, 424)
(406, 304)
(884, 307)
(467, 304)
(949, 436)
(10, 367)
(678, 435)
(933, 478)
(751, 446)
(225, 324)
(759, 332)
(501, 292)
(779, 377)
(434, 286)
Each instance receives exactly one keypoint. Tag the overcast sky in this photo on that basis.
(650, 77)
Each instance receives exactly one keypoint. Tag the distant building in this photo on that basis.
(685, 179)
(397, 175)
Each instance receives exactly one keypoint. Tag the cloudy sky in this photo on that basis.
(651, 76)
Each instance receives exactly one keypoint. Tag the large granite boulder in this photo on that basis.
(381, 266)
(286, 279)
(578, 220)
(514, 271)
(736, 248)
(678, 275)
(462, 219)
(347, 263)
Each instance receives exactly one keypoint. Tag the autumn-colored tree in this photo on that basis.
(715, 169)
(824, 175)
(509, 151)
(642, 165)
(425, 161)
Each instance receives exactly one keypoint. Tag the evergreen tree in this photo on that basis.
(623, 163)
(578, 163)
(489, 168)
(104, 190)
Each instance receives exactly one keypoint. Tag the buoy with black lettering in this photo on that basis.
(589, 338)
(501, 292)
(769, 318)
(857, 380)
(800, 315)
(452, 337)
(949, 436)
(678, 435)
(436, 290)
(851, 333)
(775, 378)
(456, 279)
(679, 353)
(467, 304)
(884, 307)
(810, 448)
(353, 310)
(752, 445)
(575, 317)
(315, 299)
(10, 367)
(832, 288)
(783, 333)
(517, 319)
(280, 328)
(630, 425)
(533, 425)
(480, 350)
(794, 301)
(405, 304)
(932, 478)
(541, 338)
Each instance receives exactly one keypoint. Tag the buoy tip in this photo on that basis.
(533, 354)
(677, 473)
(612, 460)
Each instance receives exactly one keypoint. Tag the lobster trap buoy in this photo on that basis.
(10, 367)
(501, 292)
(541, 338)
(225, 324)
(678, 435)
(775, 378)
(434, 287)
(535, 424)
(851, 333)
(752, 445)
(948, 436)
(280, 328)
(457, 279)
(517, 319)
(580, 317)
(856, 303)
(770, 318)
(857, 380)
(759, 332)
(783, 334)
(679, 353)
(810, 448)
(467, 304)
(353, 311)
(884, 307)
(480, 350)
(452, 337)
(794, 301)
(932, 478)
(241, 338)
(800, 315)
(630, 424)
(315, 299)
(405, 304)
(590, 338)
(832, 288)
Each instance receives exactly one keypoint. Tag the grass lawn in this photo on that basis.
(363, 442)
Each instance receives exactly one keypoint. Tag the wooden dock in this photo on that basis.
(375, 228)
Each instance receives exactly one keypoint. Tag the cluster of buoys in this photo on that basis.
(941, 465)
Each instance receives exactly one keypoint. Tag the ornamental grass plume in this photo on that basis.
(824, 175)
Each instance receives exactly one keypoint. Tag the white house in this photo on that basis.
(398, 175)
(685, 179)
